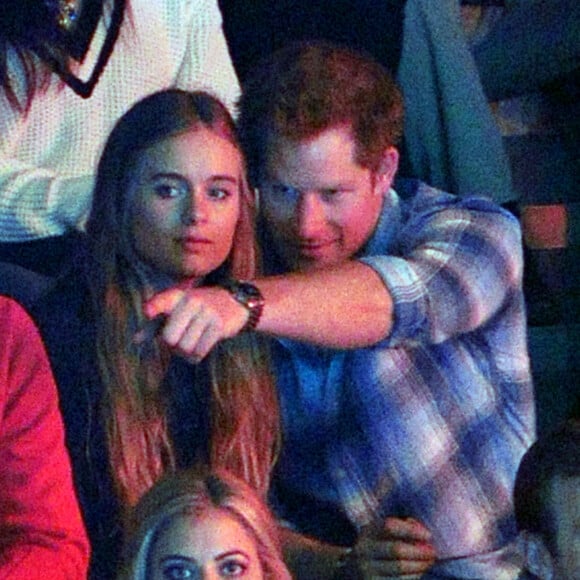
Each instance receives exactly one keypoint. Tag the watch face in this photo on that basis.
(249, 290)
(243, 291)
(251, 297)
(248, 294)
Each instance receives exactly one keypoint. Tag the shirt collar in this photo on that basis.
(387, 227)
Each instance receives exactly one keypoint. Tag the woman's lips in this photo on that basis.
(193, 243)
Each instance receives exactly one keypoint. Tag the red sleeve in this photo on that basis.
(41, 531)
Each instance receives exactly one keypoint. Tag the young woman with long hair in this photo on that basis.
(171, 206)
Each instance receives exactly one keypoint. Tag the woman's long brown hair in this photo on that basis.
(244, 409)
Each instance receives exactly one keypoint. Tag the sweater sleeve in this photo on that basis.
(38, 202)
(451, 138)
(41, 531)
(207, 63)
(41, 193)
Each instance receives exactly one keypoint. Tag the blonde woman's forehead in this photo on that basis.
(210, 540)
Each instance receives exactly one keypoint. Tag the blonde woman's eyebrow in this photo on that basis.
(230, 553)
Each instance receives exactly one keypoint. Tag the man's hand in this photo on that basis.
(196, 319)
(401, 548)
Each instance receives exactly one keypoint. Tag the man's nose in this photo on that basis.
(310, 214)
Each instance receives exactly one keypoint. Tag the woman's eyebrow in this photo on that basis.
(232, 553)
(167, 175)
(226, 177)
(179, 177)
(179, 557)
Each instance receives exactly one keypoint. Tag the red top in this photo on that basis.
(41, 532)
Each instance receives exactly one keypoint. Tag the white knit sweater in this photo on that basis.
(48, 157)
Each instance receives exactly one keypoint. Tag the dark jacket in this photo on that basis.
(67, 325)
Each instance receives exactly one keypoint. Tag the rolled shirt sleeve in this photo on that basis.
(454, 268)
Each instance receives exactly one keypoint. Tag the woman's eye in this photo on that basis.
(232, 569)
(219, 193)
(179, 572)
(168, 191)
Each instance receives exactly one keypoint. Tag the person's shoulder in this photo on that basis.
(19, 335)
(12, 313)
(23, 285)
(420, 197)
(17, 322)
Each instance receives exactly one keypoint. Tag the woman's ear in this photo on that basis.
(536, 556)
(387, 168)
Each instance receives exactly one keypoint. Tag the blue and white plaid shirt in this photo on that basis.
(433, 421)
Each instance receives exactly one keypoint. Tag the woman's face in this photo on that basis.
(214, 547)
(185, 196)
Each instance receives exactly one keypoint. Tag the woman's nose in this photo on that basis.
(194, 210)
(209, 573)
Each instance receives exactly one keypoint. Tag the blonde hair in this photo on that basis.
(243, 408)
(191, 494)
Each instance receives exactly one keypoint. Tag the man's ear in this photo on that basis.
(537, 558)
(387, 168)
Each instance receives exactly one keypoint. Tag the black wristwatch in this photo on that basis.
(249, 296)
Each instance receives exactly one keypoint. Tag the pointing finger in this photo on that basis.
(163, 302)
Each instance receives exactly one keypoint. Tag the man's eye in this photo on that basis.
(232, 569)
(286, 191)
(168, 191)
(330, 194)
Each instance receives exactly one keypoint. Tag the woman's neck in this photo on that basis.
(156, 281)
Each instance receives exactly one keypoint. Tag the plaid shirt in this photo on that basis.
(433, 421)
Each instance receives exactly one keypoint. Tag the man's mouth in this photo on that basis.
(316, 249)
